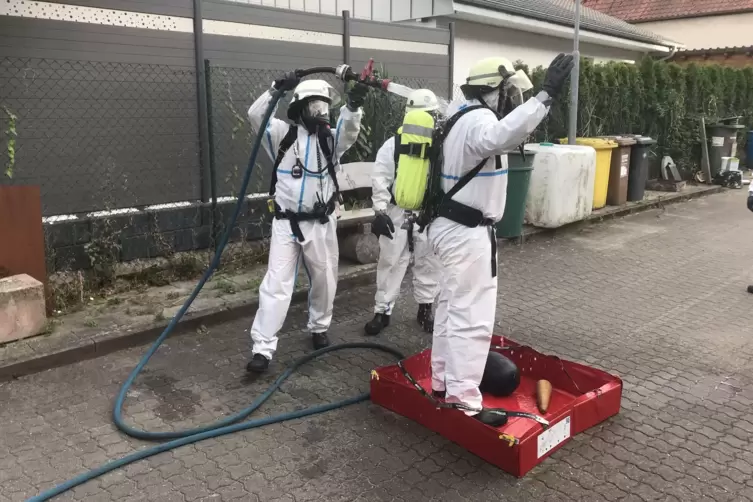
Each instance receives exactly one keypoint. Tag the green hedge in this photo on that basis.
(653, 98)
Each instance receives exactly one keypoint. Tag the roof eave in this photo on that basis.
(555, 29)
(687, 16)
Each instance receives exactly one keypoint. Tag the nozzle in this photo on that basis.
(368, 76)
(345, 73)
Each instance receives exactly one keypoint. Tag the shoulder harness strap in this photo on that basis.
(467, 177)
(285, 145)
(397, 151)
(327, 145)
(396, 158)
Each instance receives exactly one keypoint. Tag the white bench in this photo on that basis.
(356, 241)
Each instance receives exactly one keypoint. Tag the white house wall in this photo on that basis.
(735, 30)
(476, 41)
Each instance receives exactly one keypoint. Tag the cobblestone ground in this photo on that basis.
(658, 298)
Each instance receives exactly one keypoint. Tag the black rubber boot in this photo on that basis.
(750, 289)
(320, 340)
(425, 317)
(376, 325)
(258, 364)
(490, 418)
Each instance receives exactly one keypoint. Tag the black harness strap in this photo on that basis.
(326, 144)
(459, 212)
(294, 217)
(285, 145)
(397, 161)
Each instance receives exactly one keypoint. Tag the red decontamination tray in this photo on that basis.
(581, 398)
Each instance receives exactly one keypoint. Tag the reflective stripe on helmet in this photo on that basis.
(488, 75)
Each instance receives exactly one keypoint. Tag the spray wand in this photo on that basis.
(344, 72)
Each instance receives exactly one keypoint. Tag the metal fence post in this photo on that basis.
(572, 129)
(451, 63)
(201, 95)
(210, 144)
(346, 37)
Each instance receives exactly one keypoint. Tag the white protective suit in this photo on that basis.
(467, 301)
(394, 254)
(318, 254)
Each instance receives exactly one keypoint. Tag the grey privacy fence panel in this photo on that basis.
(101, 135)
(242, 66)
(415, 56)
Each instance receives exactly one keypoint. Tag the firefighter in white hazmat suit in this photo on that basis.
(474, 180)
(306, 194)
(397, 241)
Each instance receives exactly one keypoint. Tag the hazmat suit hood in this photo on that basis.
(455, 105)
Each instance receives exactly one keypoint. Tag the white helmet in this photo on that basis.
(422, 99)
(309, 90)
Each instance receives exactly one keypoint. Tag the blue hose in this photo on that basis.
(233, 423)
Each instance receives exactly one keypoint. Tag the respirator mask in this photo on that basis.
(315, 114)
(509, 94)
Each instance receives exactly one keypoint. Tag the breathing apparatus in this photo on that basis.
(310, 104)
(413, 150)
(310, 107)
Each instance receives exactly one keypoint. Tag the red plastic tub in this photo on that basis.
(581, 398)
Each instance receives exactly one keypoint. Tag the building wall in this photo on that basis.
(732, 30)
(476, 41)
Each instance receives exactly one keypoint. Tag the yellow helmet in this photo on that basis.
(489, 72)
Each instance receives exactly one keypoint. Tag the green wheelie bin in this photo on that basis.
(518, 179)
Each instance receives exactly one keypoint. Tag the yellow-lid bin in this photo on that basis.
(603, 149)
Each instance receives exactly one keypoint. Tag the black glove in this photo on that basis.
(357, 95)
(288, 82)
(557, 74)
(750, 201)
(382, 225)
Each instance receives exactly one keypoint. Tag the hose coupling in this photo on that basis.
(345, 73)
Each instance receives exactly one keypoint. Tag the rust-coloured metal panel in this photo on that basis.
(21, 233)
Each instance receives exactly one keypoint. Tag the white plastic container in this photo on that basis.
(562, 184)
(730, 164)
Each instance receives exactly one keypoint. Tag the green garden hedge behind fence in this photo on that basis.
(654, 98)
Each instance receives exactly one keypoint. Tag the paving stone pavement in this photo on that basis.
(657, 298)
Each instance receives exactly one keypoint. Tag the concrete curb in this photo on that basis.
(146, 334)
(617, 212)
(143, 335)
